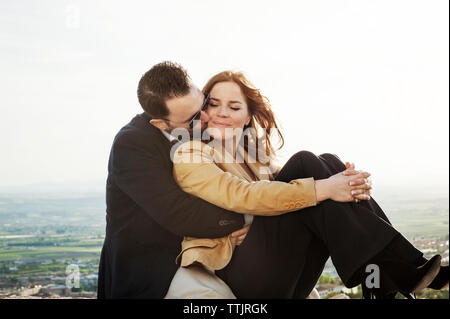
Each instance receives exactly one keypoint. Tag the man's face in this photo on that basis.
(183, 109)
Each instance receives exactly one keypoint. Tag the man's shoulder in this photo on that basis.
(136, 142)
(138, 131)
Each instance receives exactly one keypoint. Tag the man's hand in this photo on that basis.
(238, 236)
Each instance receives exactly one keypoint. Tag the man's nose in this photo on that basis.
(204, 117)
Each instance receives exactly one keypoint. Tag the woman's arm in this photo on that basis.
(141, 172)
(197, 173)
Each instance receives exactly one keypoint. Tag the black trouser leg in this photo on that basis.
(271, 260)
(317, 253)
(351, 232)
(336, 165)
(315, 260)
(411, 255)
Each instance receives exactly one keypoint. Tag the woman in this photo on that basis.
(283, 255)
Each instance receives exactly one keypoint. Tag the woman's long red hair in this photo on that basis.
(262, 117)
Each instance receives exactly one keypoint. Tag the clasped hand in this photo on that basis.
(357, 186)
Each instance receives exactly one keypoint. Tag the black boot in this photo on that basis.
(406, 277)
(427, 273)
(402, 269)
(386, 290)
(442, 278)
(403, 249)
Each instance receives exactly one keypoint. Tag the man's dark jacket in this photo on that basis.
(147, 216)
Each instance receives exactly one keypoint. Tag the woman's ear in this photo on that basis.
(162, 125)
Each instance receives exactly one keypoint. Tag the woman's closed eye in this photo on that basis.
(231, 107)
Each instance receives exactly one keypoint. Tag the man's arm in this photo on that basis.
(144, 177)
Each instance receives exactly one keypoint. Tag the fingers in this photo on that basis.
(238, 240)
(237, 233)
(360, 194)
(364, 185)
(365, 174)
(240, 232)
(349, 172)
(362, 197)
(350, 169)
(360, 182)
(233, 241)
(349, 165)
(359, 191)
(359, 179)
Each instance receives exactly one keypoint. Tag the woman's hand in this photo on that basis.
(362, 186)
(344, 186)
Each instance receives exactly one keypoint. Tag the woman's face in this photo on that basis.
(227, 110)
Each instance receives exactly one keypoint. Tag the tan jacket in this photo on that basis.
(216, 177)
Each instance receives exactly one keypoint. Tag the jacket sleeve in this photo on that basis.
(198, 174)
(146, 177)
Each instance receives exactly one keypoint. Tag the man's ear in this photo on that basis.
(162, 125)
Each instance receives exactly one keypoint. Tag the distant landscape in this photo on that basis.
(41, 234)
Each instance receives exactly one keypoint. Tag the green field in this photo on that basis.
(48, 253)
(418, 217)
(40, 237)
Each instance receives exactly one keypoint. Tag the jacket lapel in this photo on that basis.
(226, 162)
(261, 171)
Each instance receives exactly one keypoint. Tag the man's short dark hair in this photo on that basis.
(163, 81)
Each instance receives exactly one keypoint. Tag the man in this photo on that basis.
(147, 213)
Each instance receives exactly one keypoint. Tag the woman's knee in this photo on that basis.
(309, 164)
(302, 164)
(304, 156)
(331, 156)
(334, 161)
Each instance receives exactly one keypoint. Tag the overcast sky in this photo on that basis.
(367, 80)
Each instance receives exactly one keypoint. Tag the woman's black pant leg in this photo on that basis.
(315, 259)
(317, 253)
(268, 264)
(336, 166)
(270, 261)
(411, 254)
(352, 233)
(272, 258)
